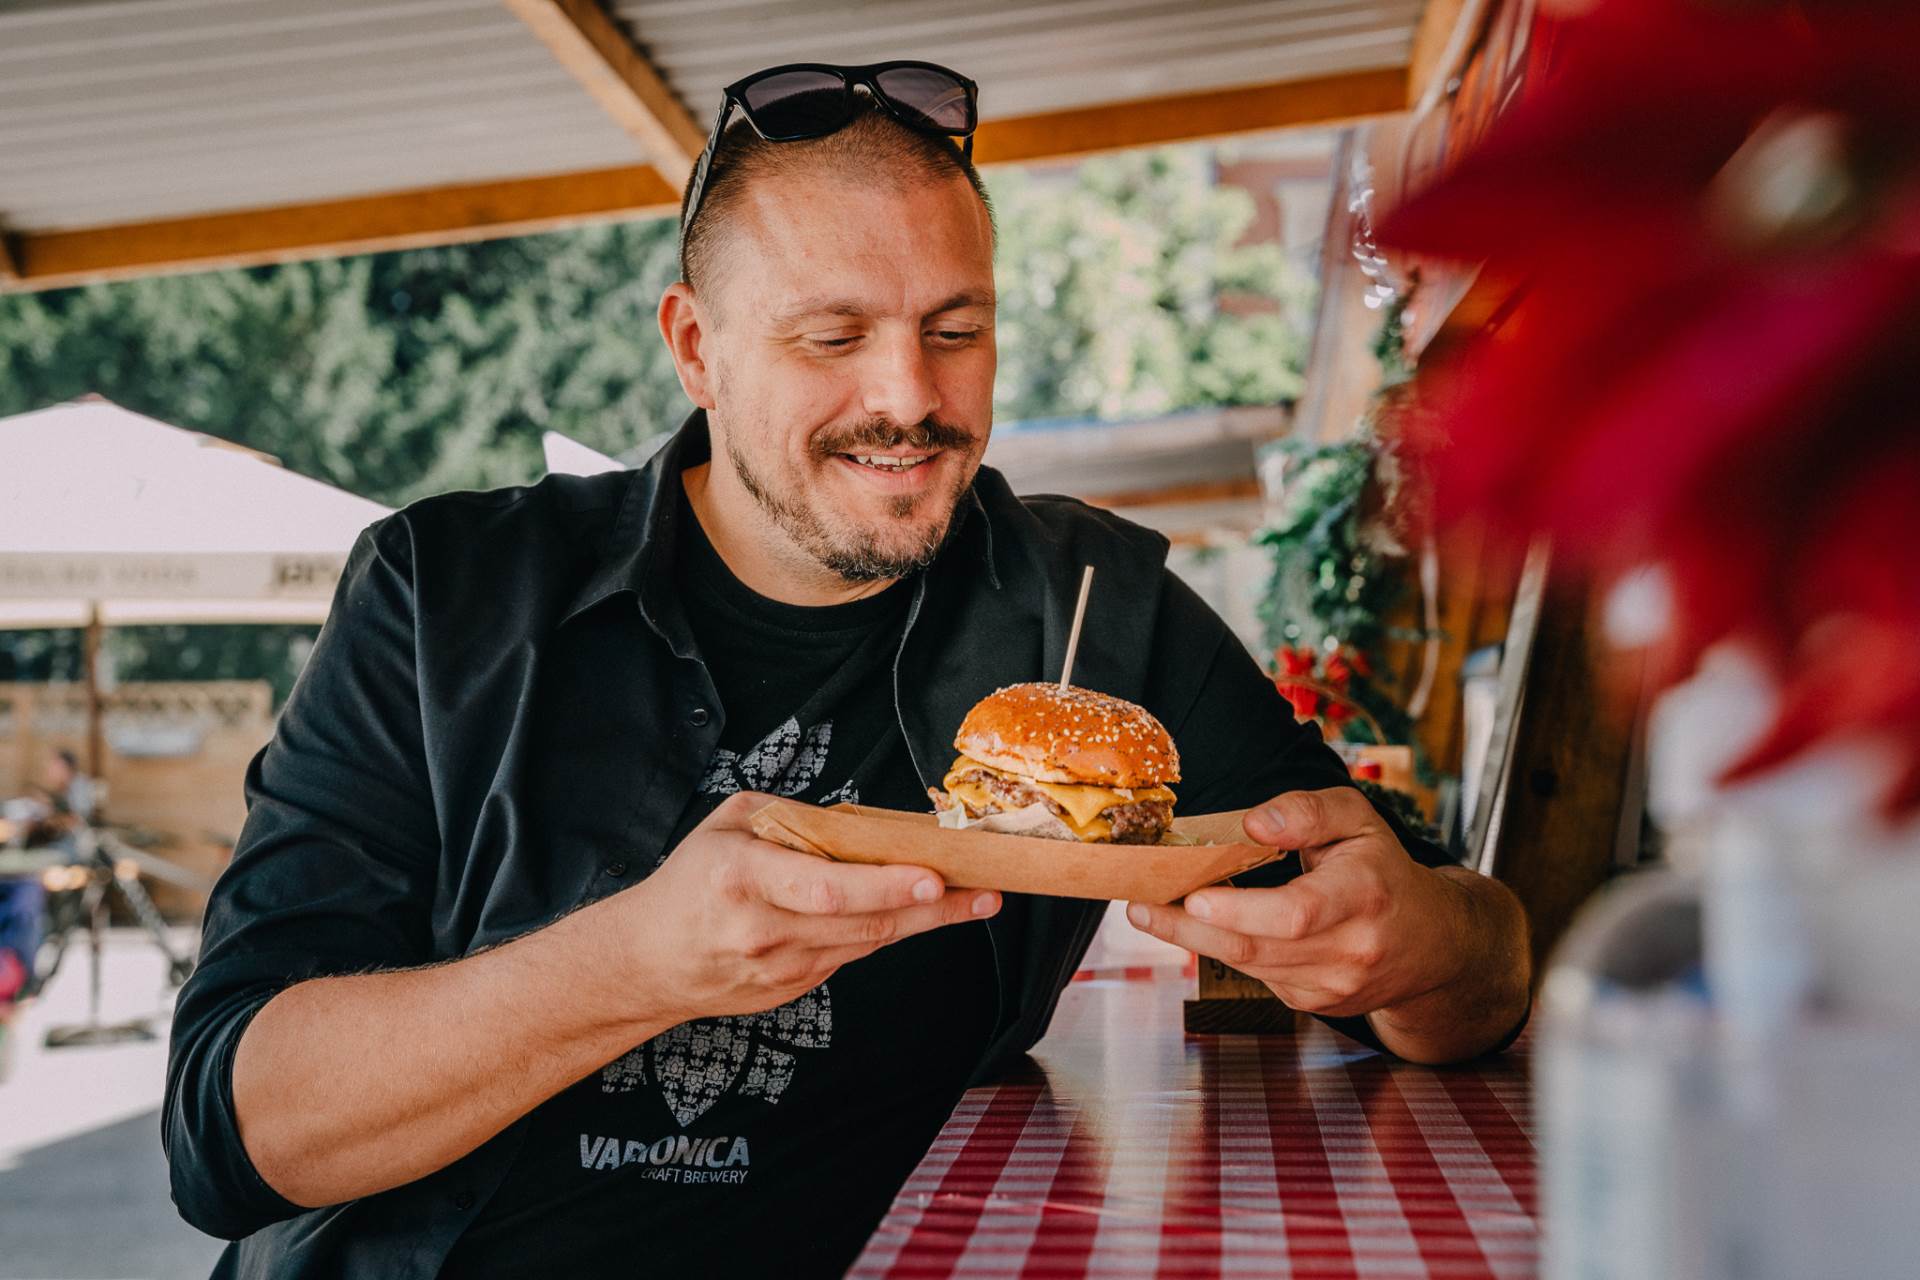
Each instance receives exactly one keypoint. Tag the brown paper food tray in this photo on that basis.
(1018, 864)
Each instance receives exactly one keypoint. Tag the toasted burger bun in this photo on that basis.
(1099, 764)
(1069, 735)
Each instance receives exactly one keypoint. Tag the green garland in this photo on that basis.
(1402, 806)
(1337, 557)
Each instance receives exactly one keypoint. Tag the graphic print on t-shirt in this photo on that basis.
(697, 1063)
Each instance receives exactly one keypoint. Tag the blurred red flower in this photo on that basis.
(1306, 701)
(1712, 215)
(1294, 662)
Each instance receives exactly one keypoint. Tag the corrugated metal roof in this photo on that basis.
(116, 112)
(1028, 55)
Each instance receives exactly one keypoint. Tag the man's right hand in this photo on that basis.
(732, 924)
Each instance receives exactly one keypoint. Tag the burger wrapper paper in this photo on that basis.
(1034, 820)
(975, 858)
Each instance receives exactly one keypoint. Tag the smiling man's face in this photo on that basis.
(846, 355)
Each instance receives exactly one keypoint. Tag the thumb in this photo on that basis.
(1307, 819)
(736, 812)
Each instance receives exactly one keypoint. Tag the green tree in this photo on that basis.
(287, 360)
(1111, 279)
(499, 342)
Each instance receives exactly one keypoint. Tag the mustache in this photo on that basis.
(879, 434)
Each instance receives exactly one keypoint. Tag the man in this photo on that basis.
(58, 805)
(500, 983)
(50, 815)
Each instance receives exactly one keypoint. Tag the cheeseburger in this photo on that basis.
(1097, 766)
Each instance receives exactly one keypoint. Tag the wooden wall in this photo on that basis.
(176, 757)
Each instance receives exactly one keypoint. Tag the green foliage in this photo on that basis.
(392, 376)
(287, 360)
(1335, 566)
(41, 655)
(505, 340)
(1111, 280)
(1326, 588)
(218, 652)
(1336, 547)
(1390, 344)
(1402, 806)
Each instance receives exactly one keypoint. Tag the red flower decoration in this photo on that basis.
(1712, 213)
(1294, 662)
(1306, 701)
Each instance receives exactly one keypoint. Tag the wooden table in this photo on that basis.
(1131, 1149)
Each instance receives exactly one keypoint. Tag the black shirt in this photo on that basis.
(696, 1150)
(508, 715)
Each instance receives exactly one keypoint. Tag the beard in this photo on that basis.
(837, 541)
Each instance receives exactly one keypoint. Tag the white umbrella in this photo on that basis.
(568, 457)
(111, 518)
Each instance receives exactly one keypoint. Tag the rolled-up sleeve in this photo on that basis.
(333, 872)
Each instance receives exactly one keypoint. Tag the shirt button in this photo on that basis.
(463, 1201)
(698, 717)
(616, 869)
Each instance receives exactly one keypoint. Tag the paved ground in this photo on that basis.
(83, 1185)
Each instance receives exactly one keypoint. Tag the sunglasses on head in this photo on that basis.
(813, 99)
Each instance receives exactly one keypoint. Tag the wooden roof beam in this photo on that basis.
(1440, 43)
(625, 83)
(368, 224)
(1146, 122)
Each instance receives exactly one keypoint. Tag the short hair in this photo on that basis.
(68, 758)
(873, 147)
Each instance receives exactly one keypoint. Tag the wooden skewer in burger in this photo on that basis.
(1063, 762)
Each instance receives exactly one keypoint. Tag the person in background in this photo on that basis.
(70, 794)
(53, 809)
(22, 913)
(50, 814)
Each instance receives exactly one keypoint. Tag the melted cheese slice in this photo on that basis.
(972, 793)
(1083, 802)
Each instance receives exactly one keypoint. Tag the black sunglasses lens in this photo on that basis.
(943, 104)
(798, 104)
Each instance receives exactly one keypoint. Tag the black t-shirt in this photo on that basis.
(768, 1144)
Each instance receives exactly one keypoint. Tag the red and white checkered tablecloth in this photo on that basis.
(1134, 1150)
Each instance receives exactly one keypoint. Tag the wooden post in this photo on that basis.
(96, 736)
(1554, 832)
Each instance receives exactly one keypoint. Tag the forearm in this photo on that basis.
(347, 1086)
(1487, 991)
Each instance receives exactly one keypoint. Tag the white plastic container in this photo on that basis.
(1719, 1098)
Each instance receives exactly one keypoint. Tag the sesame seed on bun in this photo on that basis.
(1070, 735)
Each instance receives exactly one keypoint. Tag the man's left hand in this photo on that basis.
(1363, 929)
